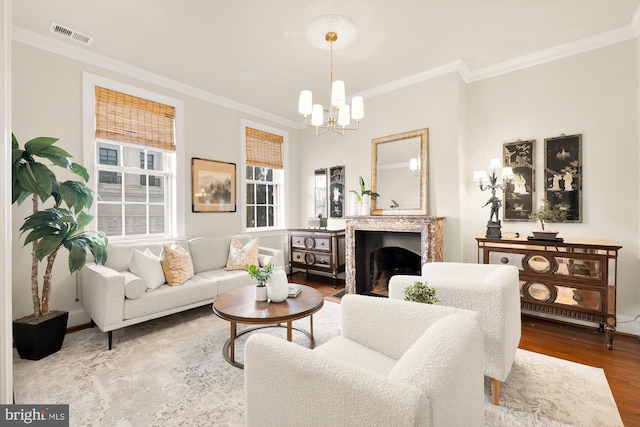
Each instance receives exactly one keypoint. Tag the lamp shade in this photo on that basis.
(343, 116)
(507, 173)
(337, 94)
(478, 176)
(357, 108)
(305, 102)
(317, 115)
(494, 164)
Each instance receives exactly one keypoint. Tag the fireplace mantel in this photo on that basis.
(429, 227)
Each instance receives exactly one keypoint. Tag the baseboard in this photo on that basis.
(77, 318)
(626, 325)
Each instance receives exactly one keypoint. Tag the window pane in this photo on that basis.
(269, 174)
(261, 174)
(110, 219)
(270, 216)
(156, 219)
(154, 160)
(110, 186)
(251, 196)
(270, 194)
(261, 194)
(262, 216)
(108, 154)
(135, 189)
(251, 216)
(156, 189)
(249, 172)
(133, 157)
(135, 219)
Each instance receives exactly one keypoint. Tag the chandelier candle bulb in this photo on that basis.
(317, 115)
(305, 102)
(343, 116)
(338, 97)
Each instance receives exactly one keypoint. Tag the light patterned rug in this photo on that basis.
(170, 372)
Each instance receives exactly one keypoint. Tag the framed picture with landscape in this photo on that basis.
(519, 194)
(213, 186)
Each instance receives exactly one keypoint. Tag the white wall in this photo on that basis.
(47, 101)
(594, 94)
(432, 104)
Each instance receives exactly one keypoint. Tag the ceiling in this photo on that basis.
(207, 44)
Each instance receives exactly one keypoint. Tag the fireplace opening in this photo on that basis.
(386, 263)
(379, 255)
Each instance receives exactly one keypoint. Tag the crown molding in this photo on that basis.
(562, 51)
(81, 54)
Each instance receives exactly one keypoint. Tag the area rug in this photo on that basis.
(170, 372)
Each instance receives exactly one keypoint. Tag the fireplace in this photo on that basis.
(378, 247)
(381, 255)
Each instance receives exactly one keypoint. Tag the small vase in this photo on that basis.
(365, 207)
(278, 286)
(261, 293)
(354, 205)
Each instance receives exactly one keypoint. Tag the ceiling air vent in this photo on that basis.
(71, 34)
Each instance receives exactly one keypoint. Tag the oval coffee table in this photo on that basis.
(240, 306)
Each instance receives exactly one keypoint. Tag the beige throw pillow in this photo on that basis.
(176, 264)
(148, 267)
(240, 255)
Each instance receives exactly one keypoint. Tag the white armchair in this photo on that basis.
(491, 290)
(395, 363)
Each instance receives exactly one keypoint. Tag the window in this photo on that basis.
(135, 162)
(264, 180)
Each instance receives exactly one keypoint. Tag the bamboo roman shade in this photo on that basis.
(264, 149)
(126, 118)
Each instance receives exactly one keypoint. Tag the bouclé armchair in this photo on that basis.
(395, 363)
(491, 290)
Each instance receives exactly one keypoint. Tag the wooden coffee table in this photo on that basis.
(240, 306)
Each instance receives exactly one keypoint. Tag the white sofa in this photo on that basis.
(491, 290)
(107, 293)
(396, 363)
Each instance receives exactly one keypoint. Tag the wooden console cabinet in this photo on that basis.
(317, 250)
(573, 279)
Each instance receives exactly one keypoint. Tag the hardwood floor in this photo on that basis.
(577, 344)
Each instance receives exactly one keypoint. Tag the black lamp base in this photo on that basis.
(493, 230)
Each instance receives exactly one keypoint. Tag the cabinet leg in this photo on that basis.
(610, 332)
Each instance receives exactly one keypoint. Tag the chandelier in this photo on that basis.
(340, 113)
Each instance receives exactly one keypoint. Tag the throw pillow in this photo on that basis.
(240, 255)
(176, 264)
(147, 266)
(134, 286)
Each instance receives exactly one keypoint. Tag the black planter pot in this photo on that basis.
(35, 341)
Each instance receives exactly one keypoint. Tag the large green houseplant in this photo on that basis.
(51, 229)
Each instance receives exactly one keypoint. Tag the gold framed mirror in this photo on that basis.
(399, 173)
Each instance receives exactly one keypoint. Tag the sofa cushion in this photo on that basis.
(240, 255)
(134, 286)
(211, 253)
(148, 267)
(176, 264)
(356, 354)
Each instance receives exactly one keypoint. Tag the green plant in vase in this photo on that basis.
(261, 274)
(364, 191)
(547, 213)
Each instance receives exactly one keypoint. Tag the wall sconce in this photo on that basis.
(491, 175)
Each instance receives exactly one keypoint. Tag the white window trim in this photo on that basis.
(89, 82)
(284, 213)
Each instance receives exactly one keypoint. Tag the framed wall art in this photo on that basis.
(320, 177)
(519, 194)
(563, 174)
(213, 186)
(336, 192)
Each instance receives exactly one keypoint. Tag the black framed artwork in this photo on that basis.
(320, 178)
(519, 194)
(213, 186)
(336, 192)
(563, 174)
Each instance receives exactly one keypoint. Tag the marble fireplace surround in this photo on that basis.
(429, 227)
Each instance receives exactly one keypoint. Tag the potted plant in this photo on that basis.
(364, 197)
(547, 213)
(261, 274)
(420, 292)
(48, 230)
